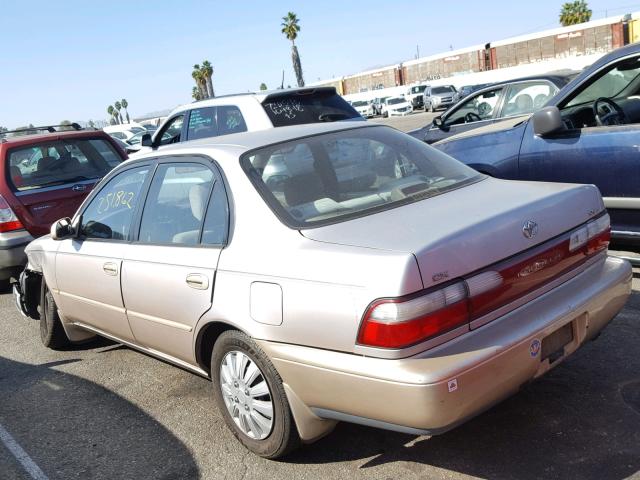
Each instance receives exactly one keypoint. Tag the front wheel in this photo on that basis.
(52, 333)
(249, 393)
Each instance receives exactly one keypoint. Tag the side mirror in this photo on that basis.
(547, 120)
(145, 141)
(438, 122)
(61, 229)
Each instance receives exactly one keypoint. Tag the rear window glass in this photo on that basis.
(213, 121)
(297, 109)
(61, 161)
(328, 178)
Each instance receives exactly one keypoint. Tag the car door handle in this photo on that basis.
(197, 281)
(110, 268)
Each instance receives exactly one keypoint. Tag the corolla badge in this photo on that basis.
(530, 229)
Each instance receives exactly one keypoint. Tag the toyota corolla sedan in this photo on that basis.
(376, 281)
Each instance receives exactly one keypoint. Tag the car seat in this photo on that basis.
(198, 196)
(303, 188)
(524, 103)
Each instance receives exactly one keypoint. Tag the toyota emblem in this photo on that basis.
(530, 229)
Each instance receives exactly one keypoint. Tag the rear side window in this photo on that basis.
(61, 161)
(214, 121)
(297, 109)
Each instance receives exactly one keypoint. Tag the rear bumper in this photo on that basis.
(441, 388)
(12, 256)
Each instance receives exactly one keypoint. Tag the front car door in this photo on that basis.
(168, 273)
(171, 132)
(475, 111)
(590, 150)
(88, 268)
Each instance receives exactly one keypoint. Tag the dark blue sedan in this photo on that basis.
(588, 133)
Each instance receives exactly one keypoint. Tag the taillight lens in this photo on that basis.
(8, 219)
(406, 321)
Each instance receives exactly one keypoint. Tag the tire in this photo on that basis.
(281, 436)
(431, 109)
(52, 333)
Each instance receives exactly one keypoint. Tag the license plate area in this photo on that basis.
(553, 345)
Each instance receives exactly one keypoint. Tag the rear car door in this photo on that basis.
(88, 268)
(168, 273)
(476, 110)
(51, 178)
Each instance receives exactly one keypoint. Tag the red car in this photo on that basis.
(44, 175)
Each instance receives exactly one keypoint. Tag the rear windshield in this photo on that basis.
(436, 90)
(297, 109)
(360, 103)
(331, 177)
(61, 161)
(418, 89)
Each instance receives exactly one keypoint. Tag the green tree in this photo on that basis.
(26, 130)
(263, 86)
(65, 125)
(125, 104)
(112, 115)
(290, 28)
(118, 107)
(198, 76)
(207, 73)
(2, 130)
(575, 12)
(195, 93)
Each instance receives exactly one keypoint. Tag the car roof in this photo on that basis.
(246, 141)
(14, 141)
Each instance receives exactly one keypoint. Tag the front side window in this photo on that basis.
(109, 214)
(330, 177)
(477, 108)
(176, 205)
(171, 132)
(61, 161)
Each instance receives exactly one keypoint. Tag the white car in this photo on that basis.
(124, 131)
(396, 106)
(364, 108)
(249, 112)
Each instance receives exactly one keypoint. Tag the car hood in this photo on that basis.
(396, 106)
(467, 229)
(502, 125)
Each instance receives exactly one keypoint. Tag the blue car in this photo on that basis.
(588, 133)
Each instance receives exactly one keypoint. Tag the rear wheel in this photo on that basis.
(431, 109)
(52, 333)
(249, 393)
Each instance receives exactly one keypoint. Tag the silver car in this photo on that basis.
(409, 294)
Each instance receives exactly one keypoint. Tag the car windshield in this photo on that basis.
(611, 84)
(395, 101)
(419, 89)
(61, 161)
(300, 108)
(438, 90)
(331, 177)
(360, 103)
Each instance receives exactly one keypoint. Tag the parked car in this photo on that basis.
(396, 106)
(467, 90)
(491, 104)
(124, 131)
(45, 173)
(587, 133)
(229, 114)
(411, 302)
(137, 139)
(435, 98)
(414, 96)
(364, 108)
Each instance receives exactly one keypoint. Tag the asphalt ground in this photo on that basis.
(104, 411)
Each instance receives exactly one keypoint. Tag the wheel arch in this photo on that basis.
(206, 338)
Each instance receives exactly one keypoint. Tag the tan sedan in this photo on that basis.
(325, 273)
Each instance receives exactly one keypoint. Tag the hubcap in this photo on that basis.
(246, 395)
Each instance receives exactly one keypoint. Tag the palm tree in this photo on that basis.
(207, 72)
(195, 93)
(200, 81)
(112, 113)
(290, 28)
(118, 106)
(575, 12)
(125, 104)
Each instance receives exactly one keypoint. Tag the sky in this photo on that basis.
(69, 60)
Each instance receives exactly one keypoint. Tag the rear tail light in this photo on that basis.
(8, 219)
(406, 321)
